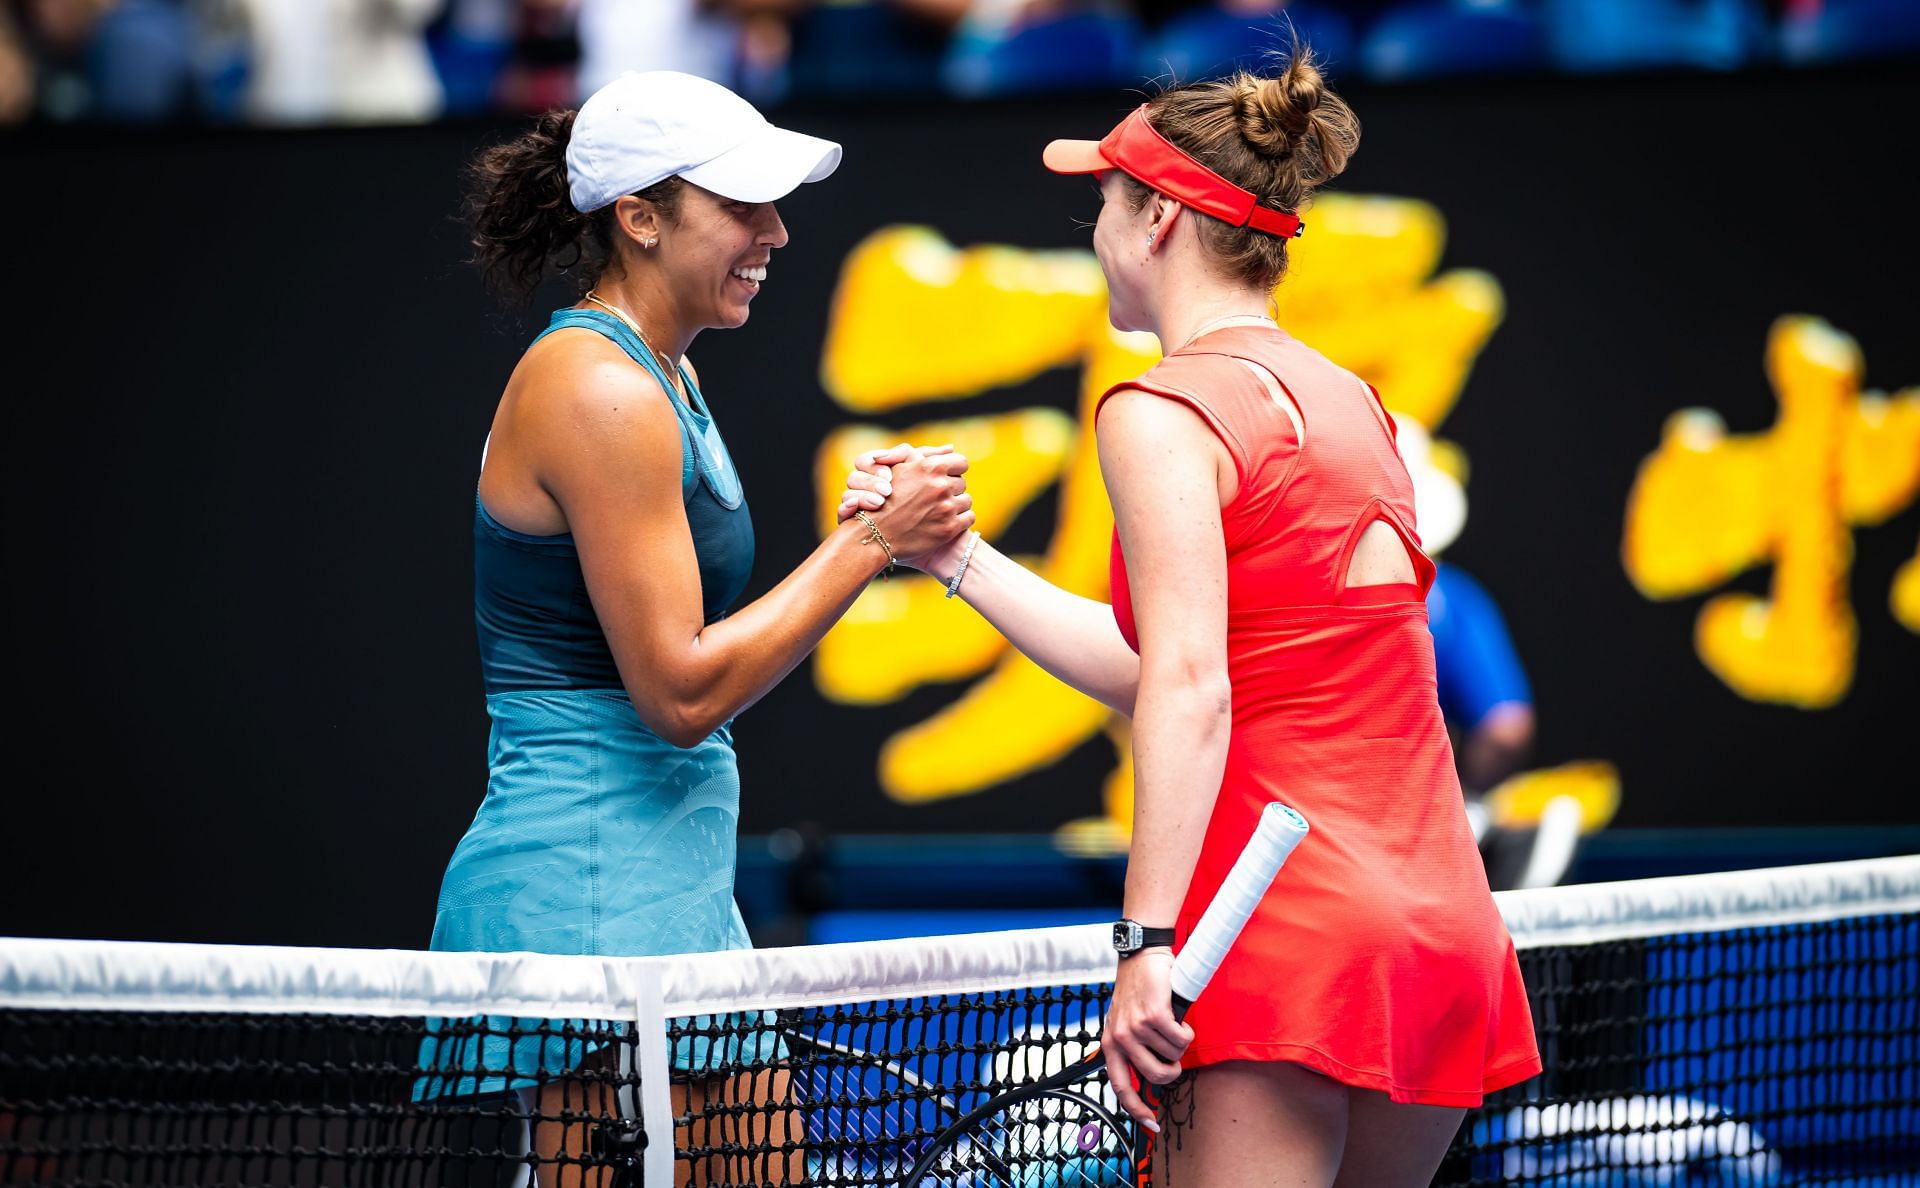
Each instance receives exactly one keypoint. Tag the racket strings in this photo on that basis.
(1062, 1139)
(878, 1117)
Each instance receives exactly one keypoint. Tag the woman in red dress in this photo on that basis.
(1268, 636)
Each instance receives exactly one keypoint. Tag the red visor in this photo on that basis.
(1137, 149)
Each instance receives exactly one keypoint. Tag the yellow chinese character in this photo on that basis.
(916, 320)
(1707, 506)
(1906, 594)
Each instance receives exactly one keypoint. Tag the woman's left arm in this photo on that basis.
(1164, 470)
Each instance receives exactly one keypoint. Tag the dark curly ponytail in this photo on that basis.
(521, 216)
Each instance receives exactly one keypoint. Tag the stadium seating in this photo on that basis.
(1843, 30)
(1083, 49)
(1438, 38)
(1209, 41)
(1618, 35)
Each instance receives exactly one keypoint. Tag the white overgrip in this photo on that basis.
(1279, 831)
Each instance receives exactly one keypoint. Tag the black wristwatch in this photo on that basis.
(1130, 936)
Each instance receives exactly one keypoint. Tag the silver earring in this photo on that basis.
(1150, 236)
(649, 243)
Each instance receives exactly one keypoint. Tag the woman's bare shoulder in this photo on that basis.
(576, 377)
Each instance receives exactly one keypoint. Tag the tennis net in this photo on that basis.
(1752, 1028)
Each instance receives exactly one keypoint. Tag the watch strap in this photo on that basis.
(1130, 936)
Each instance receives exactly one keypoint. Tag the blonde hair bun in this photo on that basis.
(1280, 138)
(1296, 113)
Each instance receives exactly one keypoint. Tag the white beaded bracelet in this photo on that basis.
(953, 587)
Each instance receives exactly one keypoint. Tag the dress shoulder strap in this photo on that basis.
(1216, 388)
(691, 428)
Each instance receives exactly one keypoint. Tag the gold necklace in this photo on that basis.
(638, 333)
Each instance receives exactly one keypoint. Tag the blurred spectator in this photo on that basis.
(1201, 41)
(1820, 31)
(16, 73)
(1024, 47)
(693, 36)
(544, 72)
(851, 47)
(332, 61)
(1443, 38)
(136, 61)
(472, 44)
(1616, 35)
(1483, 689)
(349, 61)
(142, 61)
(54, 37)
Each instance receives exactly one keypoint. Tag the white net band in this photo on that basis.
(122, 975)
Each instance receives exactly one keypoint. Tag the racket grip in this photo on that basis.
(1279, 831)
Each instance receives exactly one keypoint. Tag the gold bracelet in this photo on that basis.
(874, 535)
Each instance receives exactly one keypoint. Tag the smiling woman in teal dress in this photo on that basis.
(611, 536)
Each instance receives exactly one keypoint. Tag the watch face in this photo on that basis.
(1125, 936)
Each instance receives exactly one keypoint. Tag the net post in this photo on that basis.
(656, 1095)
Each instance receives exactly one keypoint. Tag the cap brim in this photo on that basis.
(1075, 156)
(768, 165)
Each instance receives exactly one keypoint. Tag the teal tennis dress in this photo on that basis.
(597, 836)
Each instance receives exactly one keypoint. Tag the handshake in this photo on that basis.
(916, 496)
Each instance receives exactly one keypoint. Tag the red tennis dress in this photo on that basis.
(1378, 957)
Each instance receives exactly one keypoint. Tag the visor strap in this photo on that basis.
(1138, 149)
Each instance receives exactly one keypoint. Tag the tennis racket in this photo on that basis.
(1059, 1131)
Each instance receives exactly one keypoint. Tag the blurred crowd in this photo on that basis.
(387, 61)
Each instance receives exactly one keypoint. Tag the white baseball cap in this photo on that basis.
(641, 129)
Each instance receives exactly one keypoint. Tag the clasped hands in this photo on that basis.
(917, 497)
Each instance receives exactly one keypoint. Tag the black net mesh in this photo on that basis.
(1784, 1055)
(167, 1098)
(1761, 1056)
(853, 1094)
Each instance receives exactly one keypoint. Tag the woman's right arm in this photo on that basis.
(608, 448)
(1072, 637)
